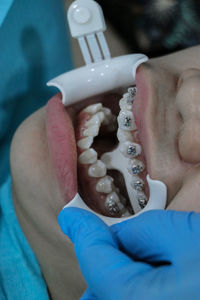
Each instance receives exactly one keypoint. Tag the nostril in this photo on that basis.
(189, 142)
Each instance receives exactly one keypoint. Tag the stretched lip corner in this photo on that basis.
(137, 64)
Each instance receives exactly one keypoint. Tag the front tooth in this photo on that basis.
(124, 136)
(105, 185)
(137, 183)
(135, 166)
(130, 150)
(85, 143)
(126, 120)
(97, 170)
(93, 109)
(89, 156)
(142, 199)
(92, 130)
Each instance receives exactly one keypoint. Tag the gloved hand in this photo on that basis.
(153, 256)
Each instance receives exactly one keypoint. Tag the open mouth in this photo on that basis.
(96, 151)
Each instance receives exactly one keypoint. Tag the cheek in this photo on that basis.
(189, 142)
(187, 199)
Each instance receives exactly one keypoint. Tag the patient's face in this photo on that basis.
(44, 157)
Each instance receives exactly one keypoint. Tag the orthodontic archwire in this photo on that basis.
(87, 25)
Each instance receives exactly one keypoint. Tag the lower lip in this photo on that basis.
(62, 146)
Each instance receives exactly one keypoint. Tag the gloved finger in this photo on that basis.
(88, 296)
(153, 235)
(100, 260)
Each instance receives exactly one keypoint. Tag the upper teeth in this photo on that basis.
(94, 108)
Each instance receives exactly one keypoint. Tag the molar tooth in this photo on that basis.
(85, 143)
(105, 185)
(126, 120)
(130, 150)
(89, 156)
(93, 108)
(135, 166)
(92, 130)
(142, 199)
(113, 205)
(97, 170)
(124, 136)
(137, 183)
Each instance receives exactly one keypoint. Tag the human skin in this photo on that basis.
(170, 135)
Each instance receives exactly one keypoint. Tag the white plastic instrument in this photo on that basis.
(101, 74)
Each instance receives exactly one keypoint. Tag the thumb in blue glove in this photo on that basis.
(130, 273)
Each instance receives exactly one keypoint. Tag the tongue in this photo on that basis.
(62, 146)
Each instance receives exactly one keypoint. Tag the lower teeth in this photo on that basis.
(105, 185)
(97, 169)
(137, 184)
(113, 205)
(142, 200)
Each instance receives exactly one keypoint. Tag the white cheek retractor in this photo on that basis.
(102, 74)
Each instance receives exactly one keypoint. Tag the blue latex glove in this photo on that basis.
(153, 256)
